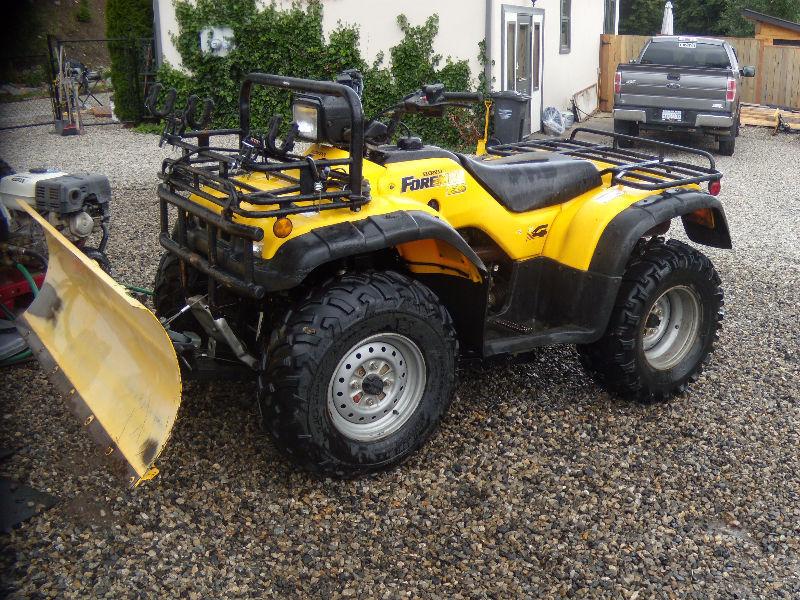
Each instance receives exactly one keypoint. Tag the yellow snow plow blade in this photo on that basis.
(108, 355)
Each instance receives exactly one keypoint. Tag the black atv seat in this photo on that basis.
(532, 180)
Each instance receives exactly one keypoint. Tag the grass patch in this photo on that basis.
(152, 128)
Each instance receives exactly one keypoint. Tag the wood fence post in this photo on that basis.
(760, 73)
(605, 90)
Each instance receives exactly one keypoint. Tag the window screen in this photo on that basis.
(566, 25)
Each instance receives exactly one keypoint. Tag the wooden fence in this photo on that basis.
(777, 79)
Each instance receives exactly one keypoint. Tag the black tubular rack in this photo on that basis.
(208, 172)
(628, 167)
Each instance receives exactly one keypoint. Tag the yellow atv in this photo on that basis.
(350, 278)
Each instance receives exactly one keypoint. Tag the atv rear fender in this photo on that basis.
(629, 226)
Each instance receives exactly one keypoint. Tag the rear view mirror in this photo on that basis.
(748, 72)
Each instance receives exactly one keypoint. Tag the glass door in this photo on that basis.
(522, 58)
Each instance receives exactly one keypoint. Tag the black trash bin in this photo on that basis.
(511, 116)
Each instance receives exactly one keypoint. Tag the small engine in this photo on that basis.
(76, 204)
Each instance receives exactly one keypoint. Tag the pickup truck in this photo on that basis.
(681, 84)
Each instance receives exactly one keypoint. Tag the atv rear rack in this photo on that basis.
(628, 167)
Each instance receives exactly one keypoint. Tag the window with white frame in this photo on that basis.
(566, 26)
(610, 20)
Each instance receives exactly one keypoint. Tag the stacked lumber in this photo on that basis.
(759, 115)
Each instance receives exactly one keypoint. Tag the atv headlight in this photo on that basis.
(306, 114)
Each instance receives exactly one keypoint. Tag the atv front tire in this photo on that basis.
(663, 327)
(358, 375)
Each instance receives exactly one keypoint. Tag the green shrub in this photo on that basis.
(34, 77)
(83, 14)
(131, 20)
(291, 42)
(413, 64)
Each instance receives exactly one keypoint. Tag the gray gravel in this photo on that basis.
(538, 485)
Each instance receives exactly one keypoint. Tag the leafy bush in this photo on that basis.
(34, 77)
(291, 42)
(413, 64)
(130, 20)
(83, 14)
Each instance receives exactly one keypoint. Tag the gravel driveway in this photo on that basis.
(538, 485)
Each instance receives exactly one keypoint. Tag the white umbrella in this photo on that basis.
(668, 23)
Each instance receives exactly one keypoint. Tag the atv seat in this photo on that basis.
(532, 180)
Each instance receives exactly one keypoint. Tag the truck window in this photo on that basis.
(677, 53)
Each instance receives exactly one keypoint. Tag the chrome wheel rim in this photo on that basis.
(671, 327)
(376, 387)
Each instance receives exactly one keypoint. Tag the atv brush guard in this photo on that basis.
(207, 172)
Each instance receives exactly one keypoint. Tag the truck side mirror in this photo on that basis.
(748, 72)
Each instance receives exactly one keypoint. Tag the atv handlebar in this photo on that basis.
(463, 96)
(429, 100)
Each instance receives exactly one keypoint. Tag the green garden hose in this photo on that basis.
(138, 290)
(26, 274)
(17, 358)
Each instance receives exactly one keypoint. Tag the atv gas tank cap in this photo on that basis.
(409, 143)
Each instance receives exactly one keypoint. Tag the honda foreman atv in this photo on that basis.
(351, 277)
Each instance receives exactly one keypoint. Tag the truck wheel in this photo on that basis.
(359, 375)
(663, 325)
(169, 296)
(728, 144)
(626, 128)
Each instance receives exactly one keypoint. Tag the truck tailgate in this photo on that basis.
(674, 87)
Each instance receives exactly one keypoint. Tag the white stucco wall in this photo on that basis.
(562, 74)
(461, 27)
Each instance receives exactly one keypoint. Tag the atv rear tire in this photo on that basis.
(169, 296)
(663, 326)
(358, 375)
(626, 128)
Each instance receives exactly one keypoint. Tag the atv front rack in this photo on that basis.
(215, 175)
(212, 173)
(628, 167)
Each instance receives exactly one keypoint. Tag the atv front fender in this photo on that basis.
(620, 236)
(299, 256)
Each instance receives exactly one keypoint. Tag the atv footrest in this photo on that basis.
(504, 337)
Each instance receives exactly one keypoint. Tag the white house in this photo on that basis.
(549, 49)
